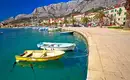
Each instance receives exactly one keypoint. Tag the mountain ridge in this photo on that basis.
(63, 9)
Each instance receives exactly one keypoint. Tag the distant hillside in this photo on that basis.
(63, 9)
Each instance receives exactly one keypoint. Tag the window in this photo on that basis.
(118, 19)
(114, 14)
(124, 18)
(115, 10)
(112, 10)
(123, 23)
(106, 12)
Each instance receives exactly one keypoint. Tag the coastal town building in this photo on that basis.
(60, 20)
(91, 17)
(117, 15)
(78, 16)
(44, 22)
(51, 20)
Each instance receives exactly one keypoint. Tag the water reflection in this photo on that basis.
(72, 66)
(43, 65)
(57, 64)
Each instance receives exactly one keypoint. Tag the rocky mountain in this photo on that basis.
(8, 20)
(20, 16)
(63, 9)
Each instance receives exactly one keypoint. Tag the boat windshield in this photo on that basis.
(46, 44)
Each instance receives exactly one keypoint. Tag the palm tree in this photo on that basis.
(65, 21)
(85, 20)
(73, 20)
(127, 7)
(55, 23)
(100, 15)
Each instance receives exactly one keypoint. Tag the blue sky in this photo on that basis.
(10, 8)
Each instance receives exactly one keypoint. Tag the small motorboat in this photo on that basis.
(67, 32)
(39, 55)
(56, 46)
(1, 32)
(54, 29)
(43, 29)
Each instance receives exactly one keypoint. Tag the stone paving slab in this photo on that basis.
(109, 53)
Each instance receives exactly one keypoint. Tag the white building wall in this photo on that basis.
(121, 18)
(78, 17)
(114, 12)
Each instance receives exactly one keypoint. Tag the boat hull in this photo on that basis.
(66, 33)
(39, 55)
(60, 48)
(19, 58)
(1, 32)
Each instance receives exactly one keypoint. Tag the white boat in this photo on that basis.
(54, 29)
(56, 46)
(27, 27)
(43, 29)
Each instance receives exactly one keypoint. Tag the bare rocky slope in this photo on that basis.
(63, 9)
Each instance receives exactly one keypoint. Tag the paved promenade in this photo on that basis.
(109, 53)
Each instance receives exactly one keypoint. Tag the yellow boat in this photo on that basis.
(39, 55)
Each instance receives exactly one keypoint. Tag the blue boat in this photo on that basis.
(43, 29)
(1, 32)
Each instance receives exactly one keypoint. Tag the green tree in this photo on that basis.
(65, 21)
(55, 23)
(119, 12)
(85, 20)
(127, 22)
(100, 15)
(73, 20)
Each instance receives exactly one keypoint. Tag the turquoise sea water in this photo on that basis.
(72, 66)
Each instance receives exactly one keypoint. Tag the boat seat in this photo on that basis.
(43, 55)
(50, 54)
(27, 54)
(37, 54)
(38, 51)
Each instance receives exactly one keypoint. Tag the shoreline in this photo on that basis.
(108, 53)
(87, 39)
